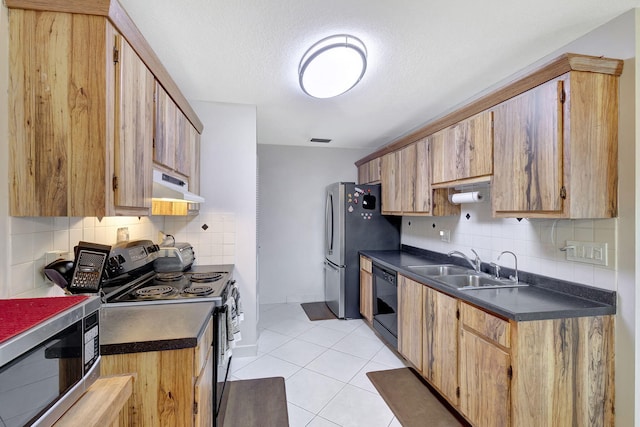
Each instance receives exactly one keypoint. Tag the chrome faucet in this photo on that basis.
(515, 258)
(475, 264)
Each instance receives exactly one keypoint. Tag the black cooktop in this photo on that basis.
(202, 283)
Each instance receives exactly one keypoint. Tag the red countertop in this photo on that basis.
(19, 314)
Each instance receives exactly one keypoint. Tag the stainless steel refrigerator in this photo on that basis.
(353, 222)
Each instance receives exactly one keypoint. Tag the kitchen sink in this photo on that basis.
(477, 281)
(437, 270)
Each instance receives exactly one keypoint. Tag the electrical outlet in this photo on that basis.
(587, 252)
(445, 235)
(122, 234)
(51, 256)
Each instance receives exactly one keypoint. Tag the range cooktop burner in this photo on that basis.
(205, 277)
(155, 291)
(169, 277)
(198, 290)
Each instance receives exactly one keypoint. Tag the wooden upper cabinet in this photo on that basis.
(408, 161)
(556, 149)
(406, 187)
(73, 105)
(474, 146)
(134, 129)
(81, 83)
(528, 151)
(173, 135)
(416, 183)
(443, 155)
(369, 172)
(390, 180)
(463, 151)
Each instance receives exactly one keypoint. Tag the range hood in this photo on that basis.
(171, 189)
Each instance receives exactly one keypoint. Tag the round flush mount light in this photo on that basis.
(332, 66)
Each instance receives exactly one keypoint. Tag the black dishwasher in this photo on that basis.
(385, 304)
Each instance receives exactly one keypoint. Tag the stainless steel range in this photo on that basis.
(137, 283)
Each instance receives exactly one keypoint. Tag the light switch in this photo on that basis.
(445, 235)
(587, 252)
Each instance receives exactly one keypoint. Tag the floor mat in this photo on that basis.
(317, 311)
(259, 402)
(411, 400)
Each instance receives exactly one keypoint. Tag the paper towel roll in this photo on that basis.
(470, 197)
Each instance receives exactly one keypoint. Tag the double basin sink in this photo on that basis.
(462, 278)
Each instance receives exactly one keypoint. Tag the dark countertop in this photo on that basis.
(544, 298)
(155, 327)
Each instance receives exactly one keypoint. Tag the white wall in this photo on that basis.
(228, 184)
(291, 217)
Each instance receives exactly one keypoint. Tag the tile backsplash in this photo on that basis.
(212, 235)
(536, 242)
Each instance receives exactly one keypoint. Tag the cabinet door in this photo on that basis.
(374, 170)
(484, 381)
(183, 145)
(440, 347)
(474, 146)
(528, 152)
(366, 295)
(390, 180)
(203, 395)
(363, 173)
(408, 178)
(410, 317)
(422, 185)
(443, 156)
(133, 131)
(166, 129)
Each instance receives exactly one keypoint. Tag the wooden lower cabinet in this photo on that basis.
(499, 372)
(366, 289)
(484, 381)
(410, 320)
(171, 387)
(440, 343)
(563, 372)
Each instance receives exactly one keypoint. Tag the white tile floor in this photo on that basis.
(324, 364)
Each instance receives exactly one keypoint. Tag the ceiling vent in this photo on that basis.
(320, 140)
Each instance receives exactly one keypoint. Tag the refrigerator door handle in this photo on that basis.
(328, 226)
(331, 266)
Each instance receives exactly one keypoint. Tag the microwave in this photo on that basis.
(45, 369)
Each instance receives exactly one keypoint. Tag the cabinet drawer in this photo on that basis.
(204, 345)
(485, 324)
(365, 264)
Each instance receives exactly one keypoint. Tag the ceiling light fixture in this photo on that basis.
(332, 66)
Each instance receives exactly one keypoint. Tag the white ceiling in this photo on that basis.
(425, 56)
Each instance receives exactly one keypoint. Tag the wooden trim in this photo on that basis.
(114, 11)
(100, 405)
(561, 65)
(467, 181)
